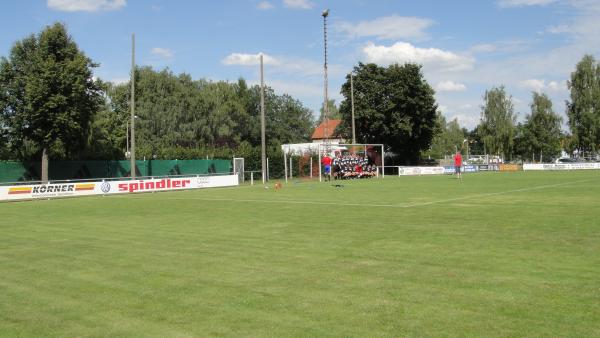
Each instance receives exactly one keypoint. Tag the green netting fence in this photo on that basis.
(68, 170)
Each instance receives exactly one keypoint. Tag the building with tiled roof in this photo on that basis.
(327, 132)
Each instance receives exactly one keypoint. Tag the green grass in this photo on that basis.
(496, 254)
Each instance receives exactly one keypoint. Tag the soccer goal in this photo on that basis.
(238, 168)
(354, 154)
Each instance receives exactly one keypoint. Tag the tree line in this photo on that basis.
(394, 105)
(51, 107)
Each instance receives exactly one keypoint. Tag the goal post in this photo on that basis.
(238, 168)
(369, 150)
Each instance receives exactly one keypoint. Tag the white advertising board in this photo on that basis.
(562, 166)
(410, 171)
(27, 192)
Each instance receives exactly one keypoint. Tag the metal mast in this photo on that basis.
(262, 122)
(326, 100)
(352, 102)
(132, 164)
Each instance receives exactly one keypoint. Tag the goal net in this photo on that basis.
(307, 160)
(351, 161)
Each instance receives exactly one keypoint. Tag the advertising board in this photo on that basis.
(510, 167)
(561, 166)
(470, 168)
(411, 171)
(57, 190)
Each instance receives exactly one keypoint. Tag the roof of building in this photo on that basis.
(319, 132)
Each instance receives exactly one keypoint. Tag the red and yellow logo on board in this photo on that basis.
(86, 186)
(19, 190)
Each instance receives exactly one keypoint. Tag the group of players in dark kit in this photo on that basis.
(348, 167)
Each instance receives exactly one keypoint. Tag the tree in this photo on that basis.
(584, 108)
(108, 128)
(476, 145)
(394, 106)
(540, 134)
(176, 112)
(334, 112)
(449, 137)
(48, 95)
(497, 126)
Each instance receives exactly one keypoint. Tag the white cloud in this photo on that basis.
(389, 27)
(503, 46)
(523, 3)
(241, 59)
(559, 29)
(533, 84)
(557, 86)
(539, 86)
(284, 64)
(468, 121)
(432, 58)
(450, 86)
(164, 53)
(298, 4)
(85, 5)
(484, 48)
(119, 80)
(264, 5)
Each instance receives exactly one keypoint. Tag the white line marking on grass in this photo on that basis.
(493, 194)
(406, 205)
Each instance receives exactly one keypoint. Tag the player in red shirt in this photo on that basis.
(457, 163)
(326, 161)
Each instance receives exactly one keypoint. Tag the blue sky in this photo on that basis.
(465, 46)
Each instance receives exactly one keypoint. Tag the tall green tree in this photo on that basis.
(449, 137)
(108, 129)
(394, 106)
(583, 109)
(48, 95)
(540, 135)
(176, 112)
(497, 126)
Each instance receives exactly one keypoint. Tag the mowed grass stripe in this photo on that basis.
(368, 205)
(517, 264)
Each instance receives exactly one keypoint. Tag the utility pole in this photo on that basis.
(132, 163)
(127, 138)
(262, 122)
(326, 101)
(352, 103)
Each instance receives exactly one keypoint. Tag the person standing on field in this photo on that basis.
(326, 161)
(457, 163)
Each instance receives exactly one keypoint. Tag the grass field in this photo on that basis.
(496, 254)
